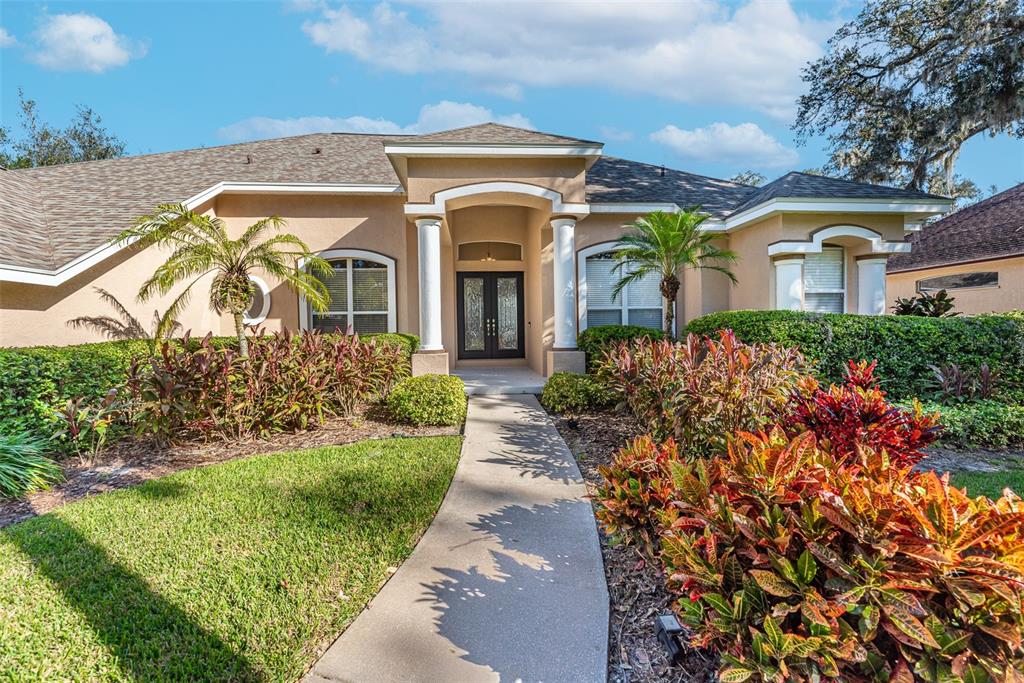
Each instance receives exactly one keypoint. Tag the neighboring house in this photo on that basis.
(490, 242)
(976, 254)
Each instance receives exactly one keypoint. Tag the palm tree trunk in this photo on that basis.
(243, 343)
(669, 289)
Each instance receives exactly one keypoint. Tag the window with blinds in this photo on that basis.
(639, 304)
(359, 298)
(825, 281)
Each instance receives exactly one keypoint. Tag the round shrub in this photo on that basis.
(438, 400)
(567, 392)
(595, 341)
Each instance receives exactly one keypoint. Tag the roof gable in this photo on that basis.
(493, 134)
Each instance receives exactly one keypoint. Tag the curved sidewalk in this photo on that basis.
(507, 584)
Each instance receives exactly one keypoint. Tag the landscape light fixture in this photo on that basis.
(668, 628)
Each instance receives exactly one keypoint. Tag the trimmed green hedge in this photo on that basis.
(985, 424)
(904, 346)
(438, 400)
(35, 380)
(568, 392)
(595, 340)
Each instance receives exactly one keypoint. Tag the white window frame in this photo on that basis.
(842, 276)
(262, 286)
(581, 278)
(350, 255)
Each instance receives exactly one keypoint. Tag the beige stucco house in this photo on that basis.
(975, 254)
(490, 242)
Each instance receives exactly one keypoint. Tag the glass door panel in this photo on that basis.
(508, 313)
(474, 332)
(490, 315)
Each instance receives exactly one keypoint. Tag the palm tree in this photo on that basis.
(665, 243)
(125, 325)
(201, 247)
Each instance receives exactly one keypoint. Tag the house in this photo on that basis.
(490, 242)
(976, 254)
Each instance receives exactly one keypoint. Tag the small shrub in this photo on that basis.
(980, 424)
(636, 491)
(954, 384)
(800, 566)
(85, 428)
(856, 415)
(568, 392)
(438, 400)
(927, 305)
(23, 466)
(701, 390)
(905, 346)
(596, 341)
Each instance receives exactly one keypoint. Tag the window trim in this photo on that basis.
(458, 248)
(366, 255)
(920, 290)
(581, 289)
(261, 284)
(803, 277)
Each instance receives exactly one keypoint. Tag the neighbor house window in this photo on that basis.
(639, 304)
(825, 281)
(360, 297)
(958, 281)
(259, 307)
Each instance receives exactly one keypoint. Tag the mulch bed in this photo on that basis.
(636, 588)
(133, 460)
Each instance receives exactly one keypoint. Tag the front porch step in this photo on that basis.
(500, 380)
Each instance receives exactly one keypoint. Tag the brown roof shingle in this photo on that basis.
(494, 134)
(991, 229)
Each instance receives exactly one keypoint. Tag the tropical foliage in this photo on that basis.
(24, 466)
(200, 247)
(124, 325)
(937, 305)
(664, 244)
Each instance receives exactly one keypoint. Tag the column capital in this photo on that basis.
(427, 220)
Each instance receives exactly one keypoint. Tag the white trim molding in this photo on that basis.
(53, 278)
(825, 205)
(456, 150)
(437, 207)
(261, 284)
(878, 245)
(377, 257)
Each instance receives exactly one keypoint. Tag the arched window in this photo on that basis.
(640, 303)
(362, 291)
(260, 305)
(825, 281)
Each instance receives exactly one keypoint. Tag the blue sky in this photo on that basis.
(706, 86)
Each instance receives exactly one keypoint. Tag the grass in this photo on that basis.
(989, 484)
(237, 571)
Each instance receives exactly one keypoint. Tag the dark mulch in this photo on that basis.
(134, 460)
(636, 588)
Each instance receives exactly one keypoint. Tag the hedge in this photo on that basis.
(986, 424)
(904, 346)
(596, 340)
(35, 380)
(438, 400)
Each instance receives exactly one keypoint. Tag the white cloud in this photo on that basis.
(701, 51)
(432, 117)
(6, 39)
(744, 144)
(510, 91)
(613, 134)
(82, 42)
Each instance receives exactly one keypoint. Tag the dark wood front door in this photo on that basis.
(490, 315)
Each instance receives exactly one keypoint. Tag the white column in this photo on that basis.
(429, 234)
(871, 286)
(789, 283)
(564, 244)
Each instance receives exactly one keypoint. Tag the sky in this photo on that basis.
(707, 86)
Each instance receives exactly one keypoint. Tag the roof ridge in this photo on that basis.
(679, 170)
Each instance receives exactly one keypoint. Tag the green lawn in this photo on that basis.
(236, 571)
(989, 484)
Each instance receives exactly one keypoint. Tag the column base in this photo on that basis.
(567, 360)
(429, 363)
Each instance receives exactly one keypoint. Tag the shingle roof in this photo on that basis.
(619, 180)
(806, 185)
(494, 133)
(992, 228)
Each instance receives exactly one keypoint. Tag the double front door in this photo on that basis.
(490, 316)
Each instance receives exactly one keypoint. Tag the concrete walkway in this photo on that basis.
(500, 379)
(507, 584)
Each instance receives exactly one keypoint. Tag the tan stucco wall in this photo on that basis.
(756, 280)
(1007, 296)
(564, 175)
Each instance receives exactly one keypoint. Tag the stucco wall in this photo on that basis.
(564, 175)
(1007, 296)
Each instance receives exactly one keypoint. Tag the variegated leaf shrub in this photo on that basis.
(857, 414)
(700, 390)
(800, 566)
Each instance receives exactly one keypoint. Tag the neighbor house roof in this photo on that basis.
(807, 185)
(991, 229)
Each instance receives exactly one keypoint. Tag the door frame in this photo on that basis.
(491, 350)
